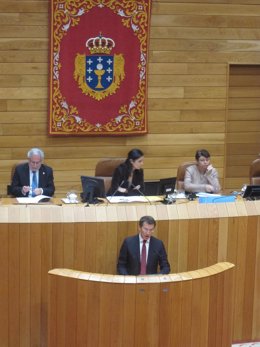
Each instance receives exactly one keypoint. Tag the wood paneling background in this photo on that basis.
(192, 44)
(243, 122)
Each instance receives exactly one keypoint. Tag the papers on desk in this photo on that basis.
(178, 195)
(33, 200)
(68, 201)
(203, 194)
(126, 199)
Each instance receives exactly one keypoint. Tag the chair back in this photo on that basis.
(105, 169)
(181, 174)
(8, 187)
(254, 172)
(17, 164)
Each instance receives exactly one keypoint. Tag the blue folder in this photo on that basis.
(216, 199)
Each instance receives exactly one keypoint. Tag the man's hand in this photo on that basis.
(38, 191)
(25, 190)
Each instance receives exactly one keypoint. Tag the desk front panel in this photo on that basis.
(192, 308)
(35, 239)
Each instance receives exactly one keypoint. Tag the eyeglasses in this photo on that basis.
(35, 162)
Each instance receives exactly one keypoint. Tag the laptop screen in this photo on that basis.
(166, 186)
(93, 188)
(252, 192)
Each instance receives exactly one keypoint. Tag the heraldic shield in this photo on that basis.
(99, 71)
(99, 75)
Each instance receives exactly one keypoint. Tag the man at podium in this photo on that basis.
(142, 254)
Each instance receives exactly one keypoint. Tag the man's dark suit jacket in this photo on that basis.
(21, 178)
(129, 257)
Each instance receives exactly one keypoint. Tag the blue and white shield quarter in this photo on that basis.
(99, 71)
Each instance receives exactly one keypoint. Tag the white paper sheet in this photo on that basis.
(126, 199)
(32, 200)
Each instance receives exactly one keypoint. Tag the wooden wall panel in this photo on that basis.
(192, 44)
(243, 123)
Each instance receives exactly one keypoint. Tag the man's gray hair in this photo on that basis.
(35, 151)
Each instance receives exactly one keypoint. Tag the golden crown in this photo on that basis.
(100, 44)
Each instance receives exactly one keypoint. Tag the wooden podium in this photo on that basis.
(35, 239)
(178, 310)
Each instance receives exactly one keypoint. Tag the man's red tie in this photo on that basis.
(143, 259)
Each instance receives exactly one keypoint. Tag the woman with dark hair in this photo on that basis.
(201, 177)
(128, 177)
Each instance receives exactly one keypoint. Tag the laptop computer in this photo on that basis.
(252, 192)
(151, 188)
(166, 186)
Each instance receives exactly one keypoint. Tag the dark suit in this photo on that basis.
(129, 257)
(120, 178)
(21, 178)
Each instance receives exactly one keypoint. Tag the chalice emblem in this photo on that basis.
(99, 71)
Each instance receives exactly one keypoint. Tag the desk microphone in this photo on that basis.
(120, 185)
(141, 193)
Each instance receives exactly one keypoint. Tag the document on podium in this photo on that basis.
(33, 200)
(127, 199)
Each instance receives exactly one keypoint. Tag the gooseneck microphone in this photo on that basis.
(157, 253)
(120, 185)
(141, 193)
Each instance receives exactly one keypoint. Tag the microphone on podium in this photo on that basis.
(158, 255)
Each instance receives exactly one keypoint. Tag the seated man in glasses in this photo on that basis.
(33, 178)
